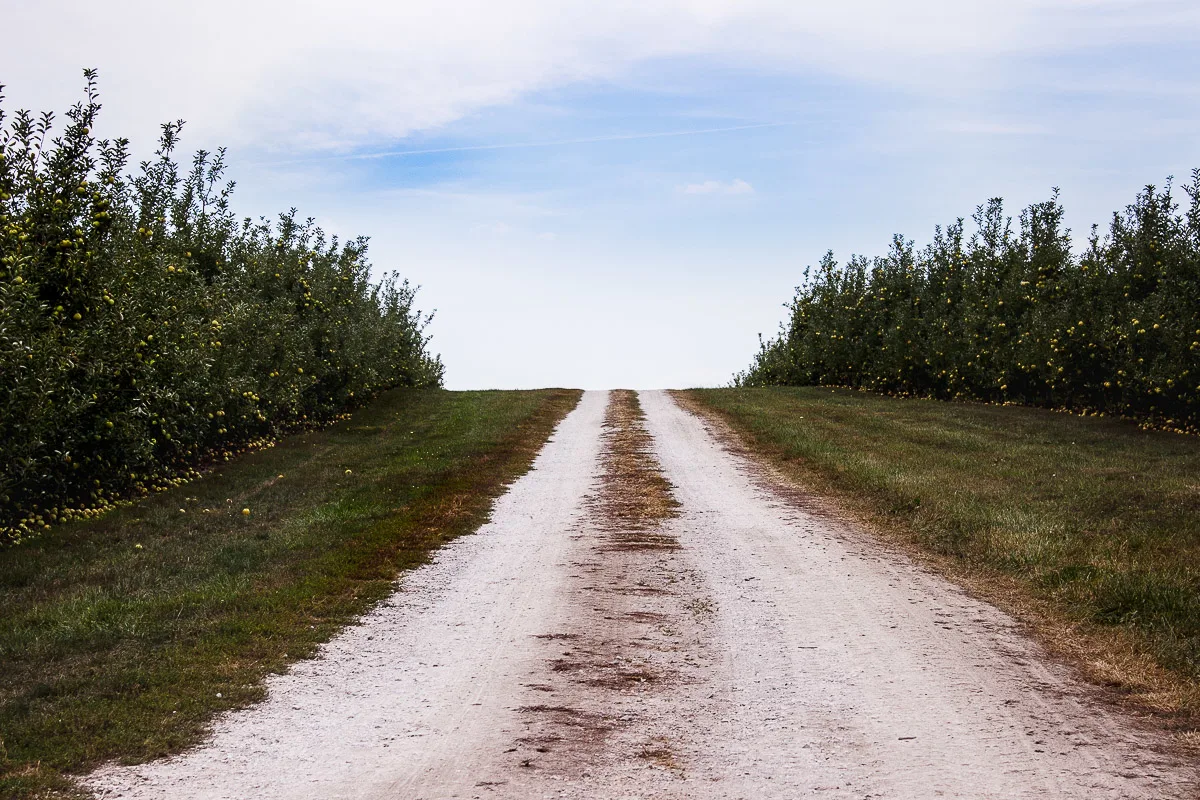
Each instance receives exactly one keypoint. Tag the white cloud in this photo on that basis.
(736, 186)
(332, 76)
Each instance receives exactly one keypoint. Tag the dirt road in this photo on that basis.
(735, 645)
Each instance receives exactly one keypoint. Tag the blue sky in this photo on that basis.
(627, 196)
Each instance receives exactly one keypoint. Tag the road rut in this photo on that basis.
(750, 646)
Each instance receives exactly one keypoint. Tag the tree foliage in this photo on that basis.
(1011, 314)
(144, 328)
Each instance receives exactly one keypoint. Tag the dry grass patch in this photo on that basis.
(660, 754)
(635, 496)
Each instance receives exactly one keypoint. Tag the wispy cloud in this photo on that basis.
(327, 77)
(619, 137)
(735, 186)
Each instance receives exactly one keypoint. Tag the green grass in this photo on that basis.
(1094, 518)
(120, 638)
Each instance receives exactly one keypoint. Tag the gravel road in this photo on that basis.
(753, 647)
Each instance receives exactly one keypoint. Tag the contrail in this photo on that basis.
(517, 145)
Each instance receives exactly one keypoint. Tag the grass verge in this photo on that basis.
(635, 494)
(1087, 529)
(122, 637)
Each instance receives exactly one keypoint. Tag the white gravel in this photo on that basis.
(777, 653)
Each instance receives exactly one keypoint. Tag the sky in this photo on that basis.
(626, 194)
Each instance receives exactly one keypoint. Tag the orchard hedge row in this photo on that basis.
(144, 329)
(1013, 315)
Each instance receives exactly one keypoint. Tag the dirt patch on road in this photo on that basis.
(634, 495)
(632, 643)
